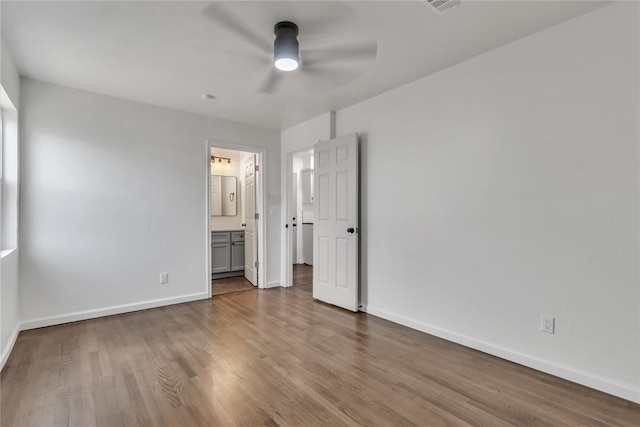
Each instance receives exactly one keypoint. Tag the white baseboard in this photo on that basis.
(7, 351)
(616, 388)
(272, 284)
(108, 311)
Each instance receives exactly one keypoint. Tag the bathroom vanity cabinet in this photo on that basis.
(227, 253)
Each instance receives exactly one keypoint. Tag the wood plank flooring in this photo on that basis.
(276, 357)
(230, 284)
(302, 275)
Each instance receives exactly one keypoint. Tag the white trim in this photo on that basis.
(6, 252)
(272, 284)
(207, 236)
(7, 351)
(261, 176)
(262, 200)
(5, 100)
(616, 388)
(109, 311)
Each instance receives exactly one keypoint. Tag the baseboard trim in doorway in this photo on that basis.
(606, 385)
(109, 311)
(272, 284)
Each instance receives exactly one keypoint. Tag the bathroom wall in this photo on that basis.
(236, 169)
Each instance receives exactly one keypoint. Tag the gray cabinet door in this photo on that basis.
(220, 237)
(237, 256)
(220, 257)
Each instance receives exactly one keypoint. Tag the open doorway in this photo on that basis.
(301, 210)
(235, 197)
(323, 192)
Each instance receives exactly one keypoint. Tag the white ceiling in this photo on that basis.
(168, 53)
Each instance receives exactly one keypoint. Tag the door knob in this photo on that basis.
(350, 230)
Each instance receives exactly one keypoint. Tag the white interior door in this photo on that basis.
(250, 234)
(335, 228)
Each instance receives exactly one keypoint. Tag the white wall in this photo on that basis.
(113, 193)
(10, 102)
(306, 134)
(507, 186)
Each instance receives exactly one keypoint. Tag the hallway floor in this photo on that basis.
(302, 275)
(231, 284)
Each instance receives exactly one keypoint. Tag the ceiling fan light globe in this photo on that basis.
(286, 51)
(286, 64)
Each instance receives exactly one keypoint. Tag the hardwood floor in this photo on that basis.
(276, 357)
(302, 275)
(231, 284)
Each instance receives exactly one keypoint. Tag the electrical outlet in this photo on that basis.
(547, 323)
(164, 278)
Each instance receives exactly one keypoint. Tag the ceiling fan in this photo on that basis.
(286, 55)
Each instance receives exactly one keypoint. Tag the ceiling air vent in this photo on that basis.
(441, 6)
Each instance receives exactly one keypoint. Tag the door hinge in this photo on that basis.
(257, 168)
(257, 264)
(257, 216)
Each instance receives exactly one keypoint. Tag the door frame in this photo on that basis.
(261, 204)
(287, 259)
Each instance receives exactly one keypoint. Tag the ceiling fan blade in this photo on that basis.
(227, 20)
(243, 55)
(364, 51)
(322, 71)
(326, 17)
(321, 78)
(272, 81)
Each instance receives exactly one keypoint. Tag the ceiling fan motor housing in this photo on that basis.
(285, 46)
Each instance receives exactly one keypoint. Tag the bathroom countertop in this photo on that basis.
(228, 229)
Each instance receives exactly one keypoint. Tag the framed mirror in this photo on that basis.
(224, 195)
